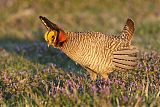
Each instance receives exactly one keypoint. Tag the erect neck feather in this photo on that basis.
(61, 38)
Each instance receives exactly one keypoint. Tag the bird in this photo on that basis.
(99, 53)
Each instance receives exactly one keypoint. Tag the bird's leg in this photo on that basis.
(104, 75)
(93, 75)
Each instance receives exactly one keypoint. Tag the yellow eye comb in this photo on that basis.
(48, 35)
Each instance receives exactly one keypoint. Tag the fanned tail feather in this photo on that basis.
(125, 59)
(128, 30)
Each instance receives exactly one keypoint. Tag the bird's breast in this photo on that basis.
(90, 54)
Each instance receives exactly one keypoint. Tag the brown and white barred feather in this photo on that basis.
(100, 53)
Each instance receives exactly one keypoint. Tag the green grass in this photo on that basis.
(31, 74)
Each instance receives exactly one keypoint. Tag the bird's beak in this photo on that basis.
(49, 44)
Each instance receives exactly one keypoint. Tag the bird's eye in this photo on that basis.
(52, 37)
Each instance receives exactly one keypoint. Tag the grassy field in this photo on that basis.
(31, 74)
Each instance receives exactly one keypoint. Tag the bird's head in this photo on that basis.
(54, 36)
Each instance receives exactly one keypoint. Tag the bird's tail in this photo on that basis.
(128, 30)
(125, 59)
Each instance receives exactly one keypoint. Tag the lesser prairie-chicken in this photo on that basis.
(98, 53)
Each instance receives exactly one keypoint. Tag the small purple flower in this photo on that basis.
(68, 82)
(94, 88)
(125, 98)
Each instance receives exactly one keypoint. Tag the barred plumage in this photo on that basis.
(98, 53)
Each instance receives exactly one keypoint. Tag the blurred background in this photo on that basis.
(33, 74)
(19, 19)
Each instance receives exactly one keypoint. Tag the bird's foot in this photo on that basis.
(104, 76)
